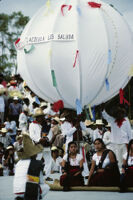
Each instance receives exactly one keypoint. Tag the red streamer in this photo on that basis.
(58, 105)
(17, 41)
(77, 52)
(63, 6)
(122, 98)
(83, 153)
(94, 4)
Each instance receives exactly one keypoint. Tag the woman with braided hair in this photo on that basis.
(127, 168)
(72, 166)
(104, 169)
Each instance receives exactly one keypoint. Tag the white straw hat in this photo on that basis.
(99, 122)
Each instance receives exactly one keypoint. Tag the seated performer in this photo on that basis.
(127, 169)
(104, 169)
(72, 166)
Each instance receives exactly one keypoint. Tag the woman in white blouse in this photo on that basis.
(127, 168)
(72, 166)
(104, 170)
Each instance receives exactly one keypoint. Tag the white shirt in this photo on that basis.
(130, 159)
(11, 125)
(97, 159)
(1, 86)
(23, 122)
(2, 104)
(118, 135)
(35, 131)
(74, 161)
(106, 139)
(55, 166)
(96, 134)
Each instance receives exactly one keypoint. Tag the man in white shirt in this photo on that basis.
(23, 120)
(35, 131)
(99, 132)
(10, 125)
(120, 132)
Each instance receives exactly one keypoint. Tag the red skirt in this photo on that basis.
(128, 178)
(70, 180)
(106, 178)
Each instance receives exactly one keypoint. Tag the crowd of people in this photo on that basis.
(99, 151)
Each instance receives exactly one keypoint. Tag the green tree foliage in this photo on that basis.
(11, 27)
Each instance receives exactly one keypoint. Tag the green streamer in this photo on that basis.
(53, 78)
(86, 112)
(30, 50)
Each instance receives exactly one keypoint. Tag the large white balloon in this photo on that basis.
(86, 47)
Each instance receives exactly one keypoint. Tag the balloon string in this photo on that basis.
(77, 52)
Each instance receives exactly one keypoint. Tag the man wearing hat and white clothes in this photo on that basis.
(35, 131)
(23, 120)
(98, 133)
(4, 137)
(120, 132)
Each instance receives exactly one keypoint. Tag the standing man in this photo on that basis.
(120, 132)
(35, 131)
(15, 109)
(99, 132)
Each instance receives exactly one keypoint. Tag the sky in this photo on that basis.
(30, 7)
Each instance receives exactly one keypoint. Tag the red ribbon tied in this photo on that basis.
(94, 4)
(122, 98)
(17, 41)
(77, 52)
(58, 105)
(63, 6)
(120, 122)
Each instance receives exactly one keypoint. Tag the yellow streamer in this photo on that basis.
(49, 10)
(131, 71)
(91, 115)
(33, 178)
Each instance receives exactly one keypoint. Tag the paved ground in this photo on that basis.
(6, 193)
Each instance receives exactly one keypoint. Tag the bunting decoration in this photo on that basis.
(78, 107)
(30, 50)
(58, 105)
(77, 52)
(122, 98)
(107, 84)
(94, 4)
(53, 78)
(63, 6)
